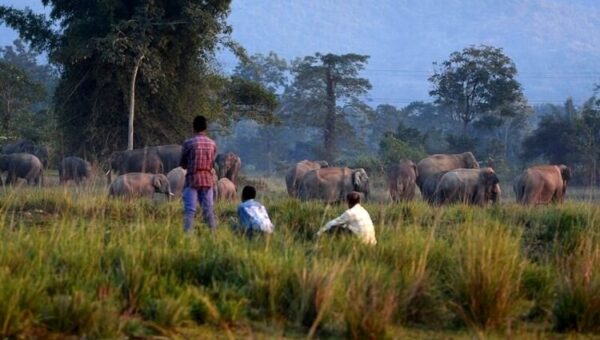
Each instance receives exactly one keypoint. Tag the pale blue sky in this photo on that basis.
(555, 44)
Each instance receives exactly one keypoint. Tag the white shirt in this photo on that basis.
(358, 221)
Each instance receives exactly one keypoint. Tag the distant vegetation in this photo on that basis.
(271, 111)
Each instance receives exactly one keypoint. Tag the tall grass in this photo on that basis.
(578, 295)
(486, 277)
(73, 262)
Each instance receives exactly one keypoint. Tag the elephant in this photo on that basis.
(75, 169)
(137, 184)
(228, 165)
(430, 170)
(169, 155)
(333, 184)
(27, 146)
(469, 186)
(176, 179)
(402, 178)
(296, 173)
(137, 160)
(226, 190)
(22, 165)
(542, 184)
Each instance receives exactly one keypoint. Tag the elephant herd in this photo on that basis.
(317, 180)
(457, 178)
(141, 172)
(441, 179)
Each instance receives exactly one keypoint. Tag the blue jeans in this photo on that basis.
(191, 196)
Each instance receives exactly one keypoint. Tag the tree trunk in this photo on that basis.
(329, 133)
(465, 131)
(132, 102)
(6, 118)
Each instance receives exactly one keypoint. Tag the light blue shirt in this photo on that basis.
(254, 216)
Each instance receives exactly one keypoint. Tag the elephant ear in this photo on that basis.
(156, 181)
(414, 166)
(489, 177)
(360, 179)
(565, 172)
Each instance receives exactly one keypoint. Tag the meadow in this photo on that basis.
(75, 263)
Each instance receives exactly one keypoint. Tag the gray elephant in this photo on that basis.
(22, 165)
(333, 184)
(431, 169)
(176, 179)
(226, 190)
(75, 169)
(542, 184)
(297, 172)
(469, 186)
(169, 155)
(228, 165)
(137, 160)
(402, 179)
(138, 184)
(27, 146)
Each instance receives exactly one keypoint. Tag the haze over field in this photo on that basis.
(555, 44)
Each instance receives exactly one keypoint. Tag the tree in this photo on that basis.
(569, 136)
(475, 81)
(153, 58)
(17, 95)
(263, 144)
(323, 84)
(271, 71)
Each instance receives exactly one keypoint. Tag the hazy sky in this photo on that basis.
(555, 44)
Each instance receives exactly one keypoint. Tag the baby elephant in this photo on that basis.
(226, 190)
(177, 180)
(75, 169)
(137, 184)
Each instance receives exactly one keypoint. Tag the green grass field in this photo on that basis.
(73, 262)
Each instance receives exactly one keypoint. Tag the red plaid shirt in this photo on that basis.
(197, 157)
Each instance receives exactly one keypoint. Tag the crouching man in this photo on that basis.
(253, 215)
(356, 219)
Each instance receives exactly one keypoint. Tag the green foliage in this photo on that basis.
(392, 149)
(475, 81)
(99, 45)
(460, 143)
(17, 95)
(569, 137)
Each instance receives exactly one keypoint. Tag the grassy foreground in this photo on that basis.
(76, 263)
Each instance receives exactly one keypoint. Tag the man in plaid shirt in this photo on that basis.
(197, 157)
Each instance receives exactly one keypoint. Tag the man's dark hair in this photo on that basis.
(248, 193)
(353, 198)
(200, 124)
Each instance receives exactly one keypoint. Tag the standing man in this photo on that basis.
(197, 157)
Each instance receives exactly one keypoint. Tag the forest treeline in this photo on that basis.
(270, 110)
